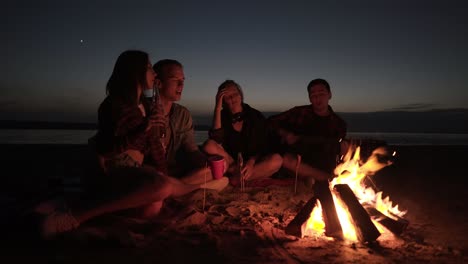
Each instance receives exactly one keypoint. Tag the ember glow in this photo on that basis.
(315, 225)
(352, 171)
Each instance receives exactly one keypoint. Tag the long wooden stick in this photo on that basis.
(298, 162)
(240, 162)
(204, 189)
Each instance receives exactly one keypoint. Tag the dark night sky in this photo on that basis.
(377, 55)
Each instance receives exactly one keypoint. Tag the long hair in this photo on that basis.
(129, 72)
(231, 82)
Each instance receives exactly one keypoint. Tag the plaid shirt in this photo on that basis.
(123, 127)
(319, 135)
(303, 121)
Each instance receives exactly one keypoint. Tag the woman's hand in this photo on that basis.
(247, 170)
(219, 99)
(217, 111)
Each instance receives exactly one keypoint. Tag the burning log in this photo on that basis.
(395, 226)
(366, 231)
(294, 228)
(330, 217)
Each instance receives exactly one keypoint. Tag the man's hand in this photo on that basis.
(157, 117)
(344, 146)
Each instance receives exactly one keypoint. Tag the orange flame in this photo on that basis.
(353, 173)
(315, 224)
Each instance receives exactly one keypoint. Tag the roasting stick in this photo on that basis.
(204, 189)
(241, 165)
(297, 169)
(240, 162)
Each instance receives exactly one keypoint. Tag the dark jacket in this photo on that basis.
(250, 141)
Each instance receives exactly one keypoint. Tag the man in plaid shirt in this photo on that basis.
(314, 132)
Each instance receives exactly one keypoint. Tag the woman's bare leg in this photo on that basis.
(148, 187)
(128, 188)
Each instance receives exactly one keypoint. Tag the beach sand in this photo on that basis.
(427, 181)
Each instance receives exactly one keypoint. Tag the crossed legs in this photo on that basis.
(126, 188)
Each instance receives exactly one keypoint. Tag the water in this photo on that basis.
(415, 138)
(45, 136)
(61, 136)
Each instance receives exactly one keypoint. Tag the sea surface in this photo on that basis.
(62, 136)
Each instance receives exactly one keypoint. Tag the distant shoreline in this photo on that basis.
(11, 124)
(91, 126)
(451, 121)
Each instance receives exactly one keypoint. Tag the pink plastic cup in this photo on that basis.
(217, 166)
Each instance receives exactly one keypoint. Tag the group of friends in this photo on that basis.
(145, 151)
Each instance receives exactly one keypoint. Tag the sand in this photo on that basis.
(235, 227)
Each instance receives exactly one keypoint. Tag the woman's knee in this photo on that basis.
(158, 181)
(161, 185)
(289, 160)
(276, 161)
(210, 146)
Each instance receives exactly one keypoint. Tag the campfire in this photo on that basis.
(351, 208)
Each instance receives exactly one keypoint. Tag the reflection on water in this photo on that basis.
(59, 136)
